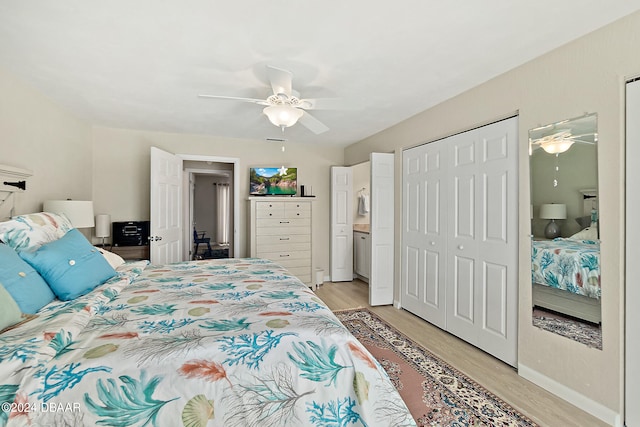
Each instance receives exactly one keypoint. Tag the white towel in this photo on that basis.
(363, 204)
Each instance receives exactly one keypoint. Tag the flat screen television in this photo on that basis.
(273, 181)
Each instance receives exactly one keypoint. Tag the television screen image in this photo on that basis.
(273, 181)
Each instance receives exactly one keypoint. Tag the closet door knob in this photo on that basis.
(460, 247)
(433, 243)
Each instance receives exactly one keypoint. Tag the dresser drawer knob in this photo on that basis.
(284, 238)
(284, 222)
(284, 255)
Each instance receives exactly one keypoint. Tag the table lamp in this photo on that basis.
(103, 226)
(552, 212)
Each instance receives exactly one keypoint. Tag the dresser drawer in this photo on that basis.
(263, 240)
(286, 255)
(283, 222)
(283, 246)
(270, 209)
(302, 273)
(281, 231)
(297, 210)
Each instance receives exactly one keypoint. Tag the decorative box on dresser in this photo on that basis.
(280, 230)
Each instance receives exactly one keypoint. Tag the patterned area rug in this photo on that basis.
(586, 333)
(436, 393)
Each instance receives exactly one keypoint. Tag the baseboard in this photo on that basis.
(579, 400)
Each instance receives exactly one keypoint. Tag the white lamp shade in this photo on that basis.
(79, 212)
(103, 225)
(283, 115)
(553, 211)
(557, 146)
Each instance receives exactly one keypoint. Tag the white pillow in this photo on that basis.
(589, 233)
(114, 260)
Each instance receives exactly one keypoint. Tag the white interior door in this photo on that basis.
(166, 207)
(341, 224)
(482, 296)
(632, 334)
(424, 237)
(381, 229)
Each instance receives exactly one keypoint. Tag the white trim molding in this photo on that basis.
(592, 407)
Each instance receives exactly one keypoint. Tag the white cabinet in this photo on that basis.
(361, 254)
(280, 230)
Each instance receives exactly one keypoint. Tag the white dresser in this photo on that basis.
(280, 230)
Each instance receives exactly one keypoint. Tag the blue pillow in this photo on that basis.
(70, 265)
(23, 283)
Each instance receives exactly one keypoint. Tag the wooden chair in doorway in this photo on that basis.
(198, 237)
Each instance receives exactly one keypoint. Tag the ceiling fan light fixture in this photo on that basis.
(283, 115)
(556, 146)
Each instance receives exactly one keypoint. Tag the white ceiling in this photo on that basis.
(141, 64)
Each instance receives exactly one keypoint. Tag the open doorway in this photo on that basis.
(210, 214)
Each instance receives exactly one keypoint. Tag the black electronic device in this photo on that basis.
(130, 233)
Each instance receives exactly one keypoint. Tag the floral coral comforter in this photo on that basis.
(235, 342)
(571, 265)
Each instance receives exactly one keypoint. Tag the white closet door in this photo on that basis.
(381, 229)
(632, 334)
(463, 242)
(498, 245)
(482, 298)
(459, 247)
(341, 224)
(424, 237)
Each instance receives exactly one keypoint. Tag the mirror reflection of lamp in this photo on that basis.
(553, 211)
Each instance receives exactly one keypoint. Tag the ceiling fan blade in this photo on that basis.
(235, 98)
(313, 124)
(280, 80)
(324, 104)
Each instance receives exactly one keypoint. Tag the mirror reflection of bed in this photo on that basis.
(565, 255)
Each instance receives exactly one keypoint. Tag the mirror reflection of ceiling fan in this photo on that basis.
(285, 107)
(560, 141)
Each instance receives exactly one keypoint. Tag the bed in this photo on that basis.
(229, 342)
(565, 273)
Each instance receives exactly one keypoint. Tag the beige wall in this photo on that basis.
(122, 168)
(38, 135)
(584, 76)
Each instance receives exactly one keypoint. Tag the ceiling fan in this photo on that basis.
(560, 141)
(285, 107)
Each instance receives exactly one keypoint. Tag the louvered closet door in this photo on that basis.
(424, 232)
(482, 296)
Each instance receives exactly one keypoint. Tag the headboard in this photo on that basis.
(589, 207)
(12, 180)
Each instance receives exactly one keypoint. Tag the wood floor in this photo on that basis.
(501, 379)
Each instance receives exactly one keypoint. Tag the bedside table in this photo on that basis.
(131, 253)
